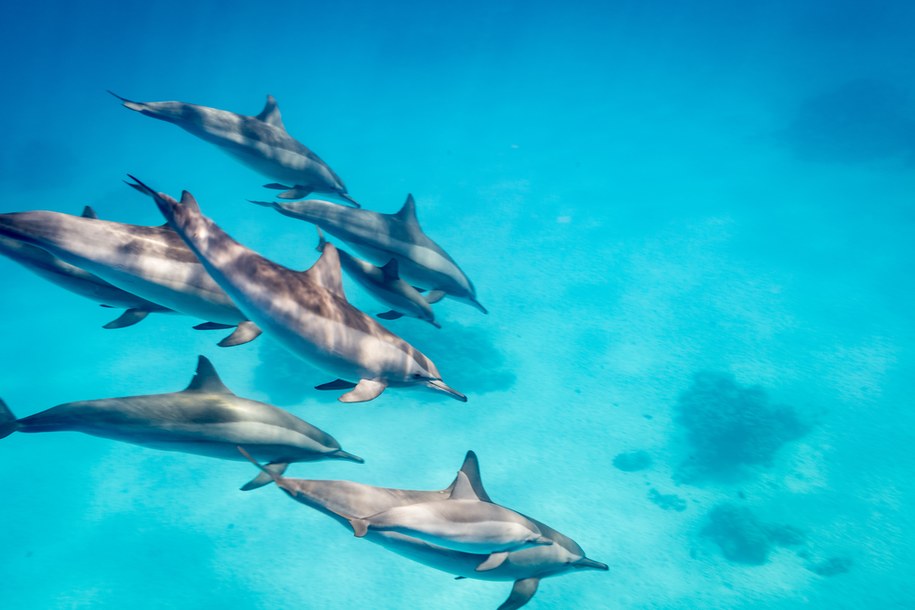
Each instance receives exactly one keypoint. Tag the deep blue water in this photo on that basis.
(692, 226)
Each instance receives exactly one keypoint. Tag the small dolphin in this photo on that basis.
(384, 284)
(382, 237)
(463, 523)
(304, 310)
(80, 282)
(150, 262)
(204, 419)
(342, 500)
(261, 142)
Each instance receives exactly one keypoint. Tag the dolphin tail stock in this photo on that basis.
(128, 318)
(8, 421)
(522, 592)
(270, 472)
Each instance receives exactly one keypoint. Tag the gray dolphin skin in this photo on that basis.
(261, 142)
(306, 311)
(204, 419)
(382, 237)
(342, 500)
(385, 284)
(80, 282)
(150, 262)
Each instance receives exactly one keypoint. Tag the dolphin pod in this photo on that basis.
(261, 142)
(205, 418)
(304, 310)
(382, 237)
(346, 500)
(150, 262)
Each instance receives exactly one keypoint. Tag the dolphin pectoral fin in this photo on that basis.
(522, 592)
(269, 474)
(492, 562)
(460, 578)
(365, 390)
(128, 318)
(390, 315)
(296, 192)
(542, 541)
(434, 296)
(276, 186)
(246, 331)
(360, 527)
(212, 326)
(336, 384)
(8, 422)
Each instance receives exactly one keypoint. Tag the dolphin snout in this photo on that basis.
(441, 386)
(590, 564)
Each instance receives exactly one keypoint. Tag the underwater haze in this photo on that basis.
(691, 224)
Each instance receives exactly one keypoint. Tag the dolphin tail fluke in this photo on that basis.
(273, 475)
(8, 421)
(245, 332)
(522, 592)
(128, 318)
(340, 454)
(266, 204)
(269, 474)
(138, 106)
(492, 562)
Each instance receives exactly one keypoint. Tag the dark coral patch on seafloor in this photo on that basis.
(729, 427)
(743, 538)
(632, 461)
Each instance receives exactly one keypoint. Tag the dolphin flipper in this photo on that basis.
(434, 296)
(246, 331)
(296, 192)
(128, 318)
(365, 390)
(8, 422)
(268, 474)
(390, 315)
(493, 561)
(336, 384)
(522, 593)
(212, 326)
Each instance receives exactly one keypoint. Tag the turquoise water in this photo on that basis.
(691, 226)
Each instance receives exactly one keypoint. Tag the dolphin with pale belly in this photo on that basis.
(206, 418)
(344, 500)
(261, 142)
(306, 311)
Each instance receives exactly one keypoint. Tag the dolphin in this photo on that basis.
(306, 311)
(80, 282)
(382, 237)
(150, 262)
(261, 142)
(343, 500)
(206, 418)
(384, 283)
(463, 523)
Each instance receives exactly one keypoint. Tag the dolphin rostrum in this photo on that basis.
(385, 284)
(150, 262)
(343, 500)
(261, 142)
(382, 237)
(304, 310)
(204, 419)
(79, 281)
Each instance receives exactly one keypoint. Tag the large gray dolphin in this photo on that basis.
(261, 142)
(304, 310)
(344, 499)
(150, 262)
(205, 419)
(382, 237)
(78, 281)
(385, 284)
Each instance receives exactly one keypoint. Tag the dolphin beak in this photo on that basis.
(345, 455)
(590, 564)
(441, 386)
(478, 305)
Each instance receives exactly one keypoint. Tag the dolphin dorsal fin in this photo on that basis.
(407, 213)
(188, 200)
(271, 114)
(326, 272)
(391, 270)
(88, 212)
(206, 379)
(462, 489)
(471, 470)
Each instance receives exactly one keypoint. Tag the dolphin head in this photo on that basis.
(423, 372)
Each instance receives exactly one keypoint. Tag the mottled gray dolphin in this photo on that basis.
(150, 262)
(80, 282)
(382, 237)
(385, 284)
(342, 500)
(204, 419)
(304, 310)
(261, 142)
